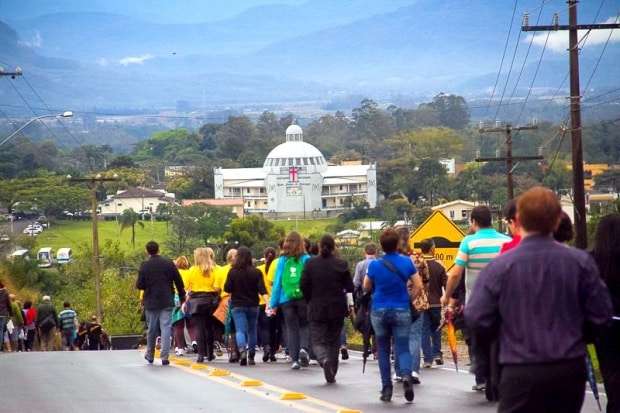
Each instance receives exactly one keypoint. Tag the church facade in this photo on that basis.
(296, 179)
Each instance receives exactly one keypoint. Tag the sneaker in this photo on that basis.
(344, 353)
(408, 389)
(439, 361)
(243, 359)
(273, 358)
(396, 377)
(295, 366)
(195, 346)
(149, 359)
(200, 359)
(415, 377)
(178, 352)
(427, 365)
(386, 394)
(304, 359)
(251, 356)
(165, 362)
(479, 387)
(328, 372)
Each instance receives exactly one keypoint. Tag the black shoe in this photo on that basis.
(439, 361)
(344, 353)
(200, 359)
(150, 360)
(251, 361)
(210, 357)
(328, 371)
(165, 362)
(386, 394)
(266, 352)
(304, 359)
(408, 388)
(243, 361)
(272, 357)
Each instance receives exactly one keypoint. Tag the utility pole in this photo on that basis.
(17, 72)
(508, 159)
(581, 239)
(93, 183)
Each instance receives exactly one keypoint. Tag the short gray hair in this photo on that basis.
(46, 298)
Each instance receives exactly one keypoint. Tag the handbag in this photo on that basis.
(222, 310)
(203, 302)
(421, 301)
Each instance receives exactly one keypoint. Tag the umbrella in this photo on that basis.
(451, 333)
(592, 380)
(363, 325)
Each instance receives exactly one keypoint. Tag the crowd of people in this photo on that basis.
(26, 327)
(527, 305)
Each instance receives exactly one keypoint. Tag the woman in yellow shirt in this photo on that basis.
(204, 293)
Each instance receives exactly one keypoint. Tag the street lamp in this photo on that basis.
(66, 114)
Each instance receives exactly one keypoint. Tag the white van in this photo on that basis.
(45, 256)
(19, 254)
(64, 255)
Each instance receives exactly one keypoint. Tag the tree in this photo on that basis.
(433, 143)
(254, 232)
(431, 180)
(608, 181)
(452, 110)
(122, 161)
(370, 127)
(233, 136)
(128, 219)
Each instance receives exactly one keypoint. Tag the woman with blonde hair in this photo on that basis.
(286, 293)
(204, 294)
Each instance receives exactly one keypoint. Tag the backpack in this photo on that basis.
(291, 277)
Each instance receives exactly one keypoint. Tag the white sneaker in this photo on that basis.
(179, 351)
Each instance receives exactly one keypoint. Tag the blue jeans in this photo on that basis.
(158, 322)
(415, 340)
(245, 327)
(431, 337)
(387, 324)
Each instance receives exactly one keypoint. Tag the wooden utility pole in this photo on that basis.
(509, 159)
(93, 183)
(581, 239)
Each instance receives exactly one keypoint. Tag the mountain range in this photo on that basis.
(295, 51)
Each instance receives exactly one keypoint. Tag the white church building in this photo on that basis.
(296, 179)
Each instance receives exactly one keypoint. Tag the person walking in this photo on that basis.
(225, 328)
(287, 296)
(437, 278)
(95, 333)
(30, 317)
(16, 337)
(266, 322)
(158, 277)
(606, 254)
(510, 218)
(47, 323)
(536, 300)
(6, 311)
(476, 251)
(361, 269)
(67, 320)
(327, 287)
(245, 285)
(387, 279)
(204, 296)
(179, 321)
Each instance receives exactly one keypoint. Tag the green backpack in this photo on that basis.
(291, 277)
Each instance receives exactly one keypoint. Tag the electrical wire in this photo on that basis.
(501, 64)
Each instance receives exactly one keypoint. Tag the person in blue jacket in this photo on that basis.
(287, 296)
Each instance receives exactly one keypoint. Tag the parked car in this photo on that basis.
(64, 256)
(4, 238)
(45, 256)
(20, 254)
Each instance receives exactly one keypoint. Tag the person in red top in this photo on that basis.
(30, 316)
(510, 217)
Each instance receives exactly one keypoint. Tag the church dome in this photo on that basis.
(295, 152)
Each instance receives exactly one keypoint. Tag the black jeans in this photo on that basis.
(543, 388)
(608, 350)
(296, 319)
(204, 333)
(325, 337)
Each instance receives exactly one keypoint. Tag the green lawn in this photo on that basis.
(306, 227)
(74, 234)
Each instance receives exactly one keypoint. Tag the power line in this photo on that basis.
(501, 64)
(514, 55)
(598, 61)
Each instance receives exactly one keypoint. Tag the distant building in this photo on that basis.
(172, 171)
(296, 179)
(592, 170)
(141, 200)
(458, 210)
(235, 204)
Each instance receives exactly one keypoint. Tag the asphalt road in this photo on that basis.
(114, 381)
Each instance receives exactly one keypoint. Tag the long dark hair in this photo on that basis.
(606, 251)
(327, 246)
(270, 255)
(243, 259)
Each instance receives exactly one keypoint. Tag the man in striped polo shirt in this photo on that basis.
(67, 320)
(475, 252)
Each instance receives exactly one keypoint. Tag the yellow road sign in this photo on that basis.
(446, 235)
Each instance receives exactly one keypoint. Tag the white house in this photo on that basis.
(458, 210)
(296, 179)
(141, 200)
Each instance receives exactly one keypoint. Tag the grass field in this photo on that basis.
(306, 228)
(74, 234)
